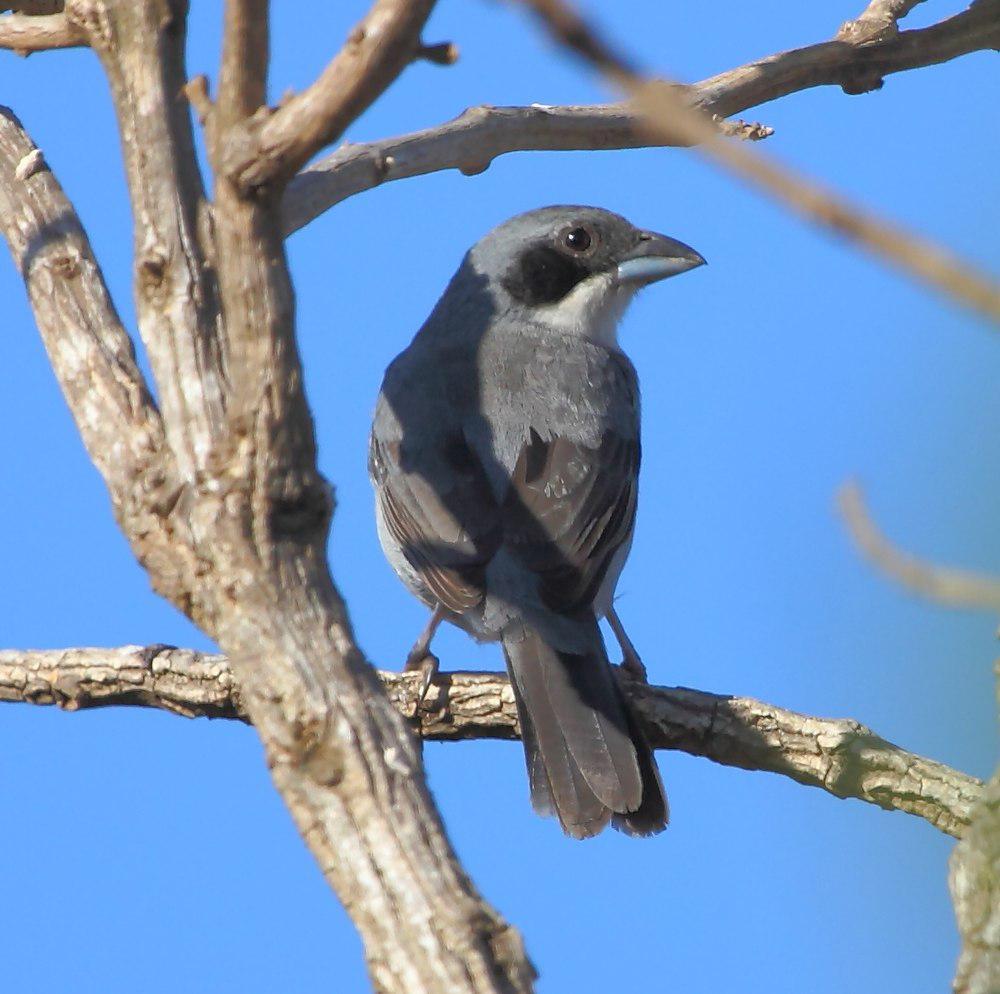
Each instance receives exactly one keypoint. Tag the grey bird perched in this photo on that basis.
(505, 460)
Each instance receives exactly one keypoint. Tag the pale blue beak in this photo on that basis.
(657, 257)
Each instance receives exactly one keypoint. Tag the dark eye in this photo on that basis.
(577, 239)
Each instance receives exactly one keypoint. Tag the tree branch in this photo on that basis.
(24, 34)
(839, 756)
(957, 588)
(876, 22)
(272, 147)
(974, 881)
(671, 116)
(473, 140)
(469, 143)
(91, 353)
(141, 47)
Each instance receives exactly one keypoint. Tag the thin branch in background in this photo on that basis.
(24, 34)
(957, 588)
(672, 118)
(840, 756)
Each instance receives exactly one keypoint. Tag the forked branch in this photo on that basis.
(274, 145)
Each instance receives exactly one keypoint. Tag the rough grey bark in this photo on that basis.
(975, 889)
(238, 497)
(837, 755)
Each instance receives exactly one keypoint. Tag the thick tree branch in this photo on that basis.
(25, 34)
(248, 515)
(974, 879)
(838, 755)
(958, 588)
(473, 140)
(272, 147)
(141, 46)
(92, 354)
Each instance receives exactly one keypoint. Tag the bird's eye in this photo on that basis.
(578, 239)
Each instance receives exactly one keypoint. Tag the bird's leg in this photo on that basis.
(631, 662)
(421, 659)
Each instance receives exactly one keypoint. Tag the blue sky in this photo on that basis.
(148, 852)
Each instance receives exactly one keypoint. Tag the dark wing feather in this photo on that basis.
(568, 509)
(438, 506)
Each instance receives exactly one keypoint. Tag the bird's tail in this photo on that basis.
(588, 762)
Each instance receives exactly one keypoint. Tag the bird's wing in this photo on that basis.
(437, 504)
(567, 511)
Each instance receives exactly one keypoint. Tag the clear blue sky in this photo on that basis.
(145, 852)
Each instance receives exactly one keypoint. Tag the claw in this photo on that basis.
(631, 663)
(634, 666)
(426, 663)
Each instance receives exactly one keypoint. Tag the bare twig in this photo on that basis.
(469, 143)
(671, 116)
(25, 34)
(473, 140)
(837, 755)
(273, 147)
(957, 588)
(876, 22)
(442, 53)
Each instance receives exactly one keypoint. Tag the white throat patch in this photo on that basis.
(592, 309)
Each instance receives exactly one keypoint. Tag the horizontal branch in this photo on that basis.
(840, 756)
(469, 143)
(24, 34)
(472, 141)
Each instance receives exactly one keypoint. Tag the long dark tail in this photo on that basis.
(588, 762)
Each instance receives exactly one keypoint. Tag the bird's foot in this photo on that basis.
(634, 666)
(421, 660)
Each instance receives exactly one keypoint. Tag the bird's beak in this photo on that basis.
(656, 257)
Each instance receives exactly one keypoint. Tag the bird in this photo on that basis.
(504, 456)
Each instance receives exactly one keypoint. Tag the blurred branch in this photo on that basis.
(957, 588)
(840, 756)
(669, 113)
(473, 140)
(24, 33)
(274, 144)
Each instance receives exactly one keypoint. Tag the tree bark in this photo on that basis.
(840, 756)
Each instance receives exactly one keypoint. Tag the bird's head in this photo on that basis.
(572, 269)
